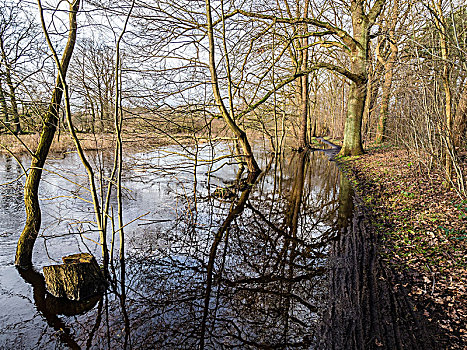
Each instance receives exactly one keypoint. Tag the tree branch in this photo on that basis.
(375, 11)
(342, 34)
(329, 66)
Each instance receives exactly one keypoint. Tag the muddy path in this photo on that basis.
(368, 306)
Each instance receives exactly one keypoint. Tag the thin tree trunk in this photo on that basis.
(3, 105)
(12, 93)
(302, 141)
(368, 106)
(441, 26)
(386, 95)
(460, 120)
(16, 126)
(388, 75)
(371, 95)
(383, 113)
(31, 188)
(239, 133)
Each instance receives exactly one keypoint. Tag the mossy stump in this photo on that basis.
(78, 278)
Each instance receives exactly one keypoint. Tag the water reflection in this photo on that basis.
(249, 273)
(223, 260)
(368, 307)
(51, 307)
(247, 270)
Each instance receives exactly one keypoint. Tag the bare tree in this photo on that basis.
(229, 118)
(94, 83)
(387, 53)
(17, 49)
(50, 121)
(355, 46)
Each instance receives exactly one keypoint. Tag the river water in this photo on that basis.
(214, 258)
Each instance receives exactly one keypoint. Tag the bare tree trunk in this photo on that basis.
(3, 105)
(352, 144)
(371, 95)
(385, 96)
(460, 120)
(16, 127)
(31, 188)
(383, 113)
(229, 120)
(12, 93)
(361, 23)
(440, 23)
(353, 124)
(302, 141)
(388, 75)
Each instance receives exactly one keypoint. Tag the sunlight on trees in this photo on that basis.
(115, 83)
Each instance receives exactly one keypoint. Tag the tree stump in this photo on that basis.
(78, 278)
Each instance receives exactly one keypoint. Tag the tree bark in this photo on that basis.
(361, 24)
(384, 110)
(460, 119)
(228, 118)
(78, 278)
(3, 106)
(31, 188)
(386, 93)
(352, 144)
(388, 75)
(372, 91)
(353, 125)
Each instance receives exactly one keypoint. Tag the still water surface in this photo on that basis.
(246, 270)
(214, 258)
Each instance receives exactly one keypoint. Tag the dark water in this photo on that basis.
(274, 264)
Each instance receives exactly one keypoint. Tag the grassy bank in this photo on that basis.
(90, 142)
(423, 229)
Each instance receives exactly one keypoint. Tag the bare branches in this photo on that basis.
(375, 11)
(279, 85)
(330, 29)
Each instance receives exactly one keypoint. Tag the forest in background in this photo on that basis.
(361, 71)
(394, 69)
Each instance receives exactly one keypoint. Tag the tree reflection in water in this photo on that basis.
(244, 271)
(248, 271)
(277, 261)
(368, 308)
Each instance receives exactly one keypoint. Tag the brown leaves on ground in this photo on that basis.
(423, 226)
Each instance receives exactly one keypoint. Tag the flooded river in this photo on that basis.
(214, 258)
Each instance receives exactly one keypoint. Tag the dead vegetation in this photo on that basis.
(423, 229)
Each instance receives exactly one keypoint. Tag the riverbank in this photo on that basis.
(90, 142)
(423, 229)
